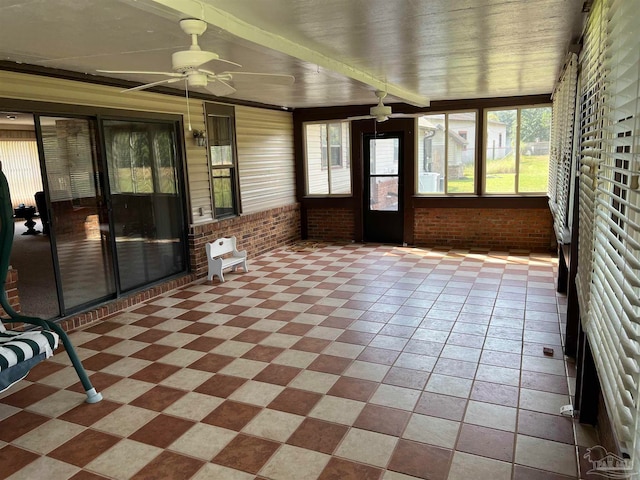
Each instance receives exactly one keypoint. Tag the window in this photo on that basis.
(446, 145)
(520, 163)
(327, 145)
(222, 159)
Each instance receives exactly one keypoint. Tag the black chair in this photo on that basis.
(41, 204)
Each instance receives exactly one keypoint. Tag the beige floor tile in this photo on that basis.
(186, 379)
(542, 401)
(125, 420)
(177, 339)
(126, 366)
(194, 406)
(501, 375)
(267, 325)
(490, 415)
(367, 371)
(396, 397)
(45, 467)
(414, 361)
(203, 441)
(231, 348)
(126, 390)
(7, 411)
(58, 403)
(273, 424)
(256, 393)
(127, 331)
(432, 430)
(225, 331)
(289, 462)
(326, 333)
(211, 471)
(466, 466)
(542, 364)
(124, 459)
(367, 447)
(295, 358)
(280, 340)
(244, 368)
(314, 381)
(455, 386)
(126, 347)
(182, 357)
(346, 350)
(48, 436)
(61, 379)
(586, 435)
(338, 410)
(546, 455)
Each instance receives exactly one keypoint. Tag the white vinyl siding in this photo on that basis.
(265, 158)
(609, 263)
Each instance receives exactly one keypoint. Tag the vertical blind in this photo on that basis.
(609, 260)
(561, 147)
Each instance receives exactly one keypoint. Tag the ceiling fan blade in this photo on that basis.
(168, 74)
(219, 88)
(361, 117)
(153, 84)
(224, 61)
(271, 78)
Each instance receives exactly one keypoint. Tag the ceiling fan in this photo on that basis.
(382, 112)
(187, 66)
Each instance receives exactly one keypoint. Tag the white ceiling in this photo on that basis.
(440, 49)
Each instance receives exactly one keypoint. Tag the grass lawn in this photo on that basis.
(534, 176)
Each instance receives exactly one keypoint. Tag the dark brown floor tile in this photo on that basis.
(278, 374)
(103, 327)
(84, 475)
(29, 395)
(211, 362)
(232, 415)
(424, 347)
(310, 299)
(148, 309)
(356, 338)
(486, 442)
(283, 315)
(420, 460)
(151, 336)
(263, 353)
(542, 425)
(101, 343)
(100, 360)
(155, 373)
(544, 381)
(455, 368)
(242, 321)
(84, 447)
(44, 369)
(373, 316)
(198, 328)
(382, 420)
(495, 393)
(526, 473)
(188, 305)
(379, 355)
(18, 424)
(169, 465)
(193, 315)
(353, 388)
(153, 352)
(308, 344)
(271, 304)
(99, 380)
(184, 294)
(318, 435)
(293, 328)
(204, 344)
(13, 459)
(405, 377)
(161, 431)
(158, 398)
(339, 469)
(221, 385)
(337, 322)
(443, 406)
(233, 310)
(251, 336)
(149, 321)
(88, 413)
(330, 364)
(246, 453)
(321, 310)
(299, 402)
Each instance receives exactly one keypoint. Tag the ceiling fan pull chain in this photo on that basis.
(186, 89)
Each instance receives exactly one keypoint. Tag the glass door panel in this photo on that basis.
(145, 201)
(79, 222)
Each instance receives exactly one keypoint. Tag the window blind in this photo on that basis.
(561, 147)
(610, 207)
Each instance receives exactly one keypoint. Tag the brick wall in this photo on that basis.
(529, 229)
(11, 287)
(331, 224)
(256, 233)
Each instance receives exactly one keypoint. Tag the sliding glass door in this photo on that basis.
(79, 224)
(146, 204)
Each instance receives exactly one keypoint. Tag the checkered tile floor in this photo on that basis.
(349, 362)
